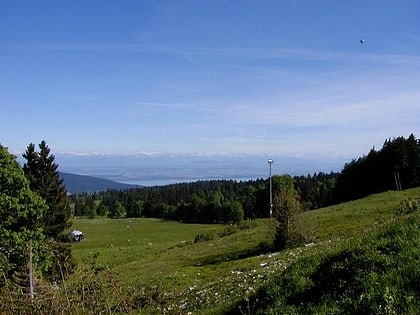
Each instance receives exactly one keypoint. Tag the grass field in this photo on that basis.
(163, 253)
(213, 274)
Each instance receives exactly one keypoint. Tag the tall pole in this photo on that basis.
(270, 161)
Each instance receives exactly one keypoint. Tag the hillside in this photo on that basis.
(210, 268)
(81, 183)
(363, 260)
(375, 271)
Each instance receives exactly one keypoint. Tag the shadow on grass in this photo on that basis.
(375, 274)
(262, 248)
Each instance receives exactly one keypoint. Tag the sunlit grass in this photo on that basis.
(355, 217)
(152, 250)
(210, 275)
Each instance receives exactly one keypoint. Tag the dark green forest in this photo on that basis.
(395, 166)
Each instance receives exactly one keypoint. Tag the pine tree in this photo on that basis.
(21, 211)
(44, 178)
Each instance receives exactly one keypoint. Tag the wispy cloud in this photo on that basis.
(234, 52)
(150, 105)
(348, 104)
(332, 111)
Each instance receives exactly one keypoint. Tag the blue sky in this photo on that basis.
(223, 77)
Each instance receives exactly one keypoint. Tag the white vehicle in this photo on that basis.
(76, 235)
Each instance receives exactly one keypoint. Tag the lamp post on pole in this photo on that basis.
(270, 161)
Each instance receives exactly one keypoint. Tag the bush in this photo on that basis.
(289, 230)
(202, 237)
(92, 290)
(407, 206)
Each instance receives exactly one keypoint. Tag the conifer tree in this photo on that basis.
(288, 213)
(21, 211)
(44, 178)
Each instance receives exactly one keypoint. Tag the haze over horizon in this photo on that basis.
(159, 169)
(256, 78)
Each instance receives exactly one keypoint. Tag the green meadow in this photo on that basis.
(178, 268)
(153, 252)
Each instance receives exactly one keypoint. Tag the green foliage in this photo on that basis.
(202, 237)
(42, 173)
(116, 211)
(200, 202)
(91, 213)
(95, 290)
(64, 263)
(316, 191)
(233, 211)
(21, 213)
(395, 166)
(288, 214)
(407, 206)
(284, 184)
(102, 210)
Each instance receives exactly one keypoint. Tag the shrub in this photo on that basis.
(91, 290)
(202, 237)
(407, 206)
(289, 230)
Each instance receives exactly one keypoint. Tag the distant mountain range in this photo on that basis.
(83, 183)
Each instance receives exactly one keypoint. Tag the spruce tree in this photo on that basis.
(289, 230)
(44, 178)
(21, 211)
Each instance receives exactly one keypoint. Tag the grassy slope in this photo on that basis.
(355, 217)
(211, 275)
(371, 267)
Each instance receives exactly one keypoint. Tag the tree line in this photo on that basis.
(203, 201)
(395, 166)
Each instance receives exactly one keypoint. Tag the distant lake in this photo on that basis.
(163, 182)
(164, 169)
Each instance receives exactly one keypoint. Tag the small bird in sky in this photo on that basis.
(362, 41)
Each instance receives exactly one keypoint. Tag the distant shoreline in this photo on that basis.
(171, 181)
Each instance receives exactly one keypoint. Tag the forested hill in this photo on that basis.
(87, 184)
